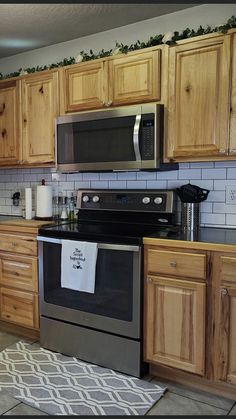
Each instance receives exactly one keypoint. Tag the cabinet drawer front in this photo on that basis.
(18, 272)
(19, 307)
(190, 265)
(18, 244)
(228, 271)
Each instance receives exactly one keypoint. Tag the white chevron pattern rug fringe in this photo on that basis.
(62, 385)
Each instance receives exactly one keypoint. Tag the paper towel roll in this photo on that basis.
(44, 201)
(28, 203)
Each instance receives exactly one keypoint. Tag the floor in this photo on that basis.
(178, 400)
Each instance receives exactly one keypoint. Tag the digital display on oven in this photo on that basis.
(121, 198)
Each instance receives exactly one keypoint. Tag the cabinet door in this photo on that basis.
(175, 323)
(10, 133)
(199, 102)
(135, 78)
(40, 107)
(84, 86)
(232, 144)
(228, 335)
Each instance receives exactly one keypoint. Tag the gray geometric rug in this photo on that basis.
(63, 385)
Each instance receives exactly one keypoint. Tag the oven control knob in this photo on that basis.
(158, 200)
(85, 198)
(146, 200)
(95, 198)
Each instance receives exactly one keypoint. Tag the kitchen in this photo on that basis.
(175, 271)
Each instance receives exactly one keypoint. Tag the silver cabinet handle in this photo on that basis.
(136, 138)
(149, 279)
(222, 151)
(232, 151)
(173, 263)
(109, 103)
(224, 291)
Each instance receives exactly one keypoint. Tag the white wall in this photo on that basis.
(212, 14)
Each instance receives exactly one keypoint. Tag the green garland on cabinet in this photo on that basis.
(170, 38)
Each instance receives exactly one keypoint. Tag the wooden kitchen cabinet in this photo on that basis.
(39, 109)
(119, 80)
(190, 313)
(232, 144)
(226, 292)
(175, 323)
(10, 133)
(135, 78)
(175, 309)
(199, 99)
(84, 86)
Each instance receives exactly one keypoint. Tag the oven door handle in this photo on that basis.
(102, 246)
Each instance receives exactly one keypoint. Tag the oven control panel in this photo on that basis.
(145, 200)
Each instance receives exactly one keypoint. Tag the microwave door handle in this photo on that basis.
(136, 138)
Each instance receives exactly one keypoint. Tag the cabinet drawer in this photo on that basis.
(228, 269)
(19, 307)
(20, 244)
(190, 265)
(19, 272)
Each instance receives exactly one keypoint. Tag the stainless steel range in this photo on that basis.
(104, 327)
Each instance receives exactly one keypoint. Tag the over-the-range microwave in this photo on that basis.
(126, 138)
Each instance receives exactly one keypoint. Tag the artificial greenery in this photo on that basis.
(170, 39)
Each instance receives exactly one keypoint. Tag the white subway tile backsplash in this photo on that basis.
(215, 219)
(190, 174)
(216, 196)
(136, 184)
(127, 176)
(214, 176)
(156, 184)
(231, 173)
(99, 184)
(117, 184)
(90, 176)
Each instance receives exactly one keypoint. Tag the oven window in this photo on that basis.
(113, 295)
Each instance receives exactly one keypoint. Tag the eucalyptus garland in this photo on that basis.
(170, 38)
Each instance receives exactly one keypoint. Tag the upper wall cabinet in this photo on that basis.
(39, 109)
(232, 144)
(10, 134)
(84, 86)
(121, 80)
(199, 99)
(136, 78)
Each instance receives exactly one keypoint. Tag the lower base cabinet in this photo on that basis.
(175, 323)
(190, 313)
(19, 281)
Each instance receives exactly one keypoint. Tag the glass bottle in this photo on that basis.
(71, 207)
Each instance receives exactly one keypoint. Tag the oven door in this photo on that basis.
(114, 307)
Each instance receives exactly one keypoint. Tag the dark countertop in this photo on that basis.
(226, 236)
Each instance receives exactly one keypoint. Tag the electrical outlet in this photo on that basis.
(231, 195)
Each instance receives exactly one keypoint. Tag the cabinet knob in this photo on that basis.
(108, 103)
(224, 291)
(13, 244)
(149, 279)
(2, 109)
(173, 263)
(222, 151)
(232, 151)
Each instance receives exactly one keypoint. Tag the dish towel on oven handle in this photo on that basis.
(78, 265)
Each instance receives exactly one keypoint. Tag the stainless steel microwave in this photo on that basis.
(129, 138)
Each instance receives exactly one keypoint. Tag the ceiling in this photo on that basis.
(26, 27)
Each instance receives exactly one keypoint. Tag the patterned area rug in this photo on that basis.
(62, 385)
